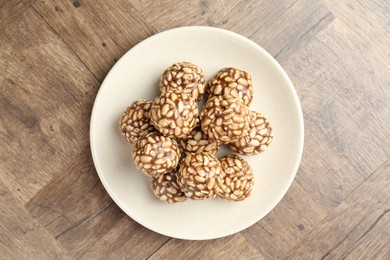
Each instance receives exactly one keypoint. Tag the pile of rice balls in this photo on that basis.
(176, 145)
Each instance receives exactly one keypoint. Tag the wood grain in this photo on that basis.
(99, 32)
(166, 16)
(374, 243)
(260, 21)
(365, 211)
(127, 240)
(78, 212)
(10, 9)
(20, 235)
(276, 233)
(45, 104)
(346, 141)
(373, 29)
(232, 247)
(53, 56)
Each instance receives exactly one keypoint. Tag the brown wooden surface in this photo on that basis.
(53, 58)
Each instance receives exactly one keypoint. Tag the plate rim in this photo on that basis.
(280, 70)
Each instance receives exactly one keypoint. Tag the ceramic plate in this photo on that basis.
(136, 75)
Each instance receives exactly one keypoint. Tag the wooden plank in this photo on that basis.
(372, 25)
(126, 240)
(21, 237)
(375, 242)
(278, 26)
(74, 196)
(10, 9)
(292, 219)
(78, 212)
(46, 97)
(346, 119)
(99, 32)
(174, 13)
(231, 247)
(343, 233)
(367, 147)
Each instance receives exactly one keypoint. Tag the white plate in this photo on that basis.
(136, 75)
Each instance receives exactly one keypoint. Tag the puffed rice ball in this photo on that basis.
(135, 121)
(237, 178)
(155, 154)
(184, 78)
(232, 82)
(258, 138)
(165, 188)
(197, 142)
(174, 115)
(224, 119)
(198, 176)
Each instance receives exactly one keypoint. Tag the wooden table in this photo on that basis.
(53, 58)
